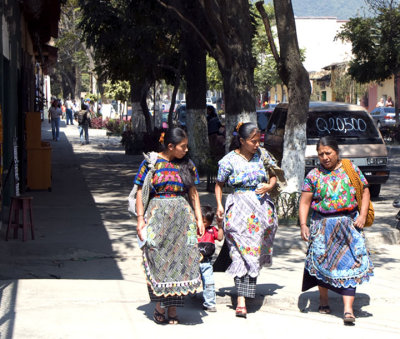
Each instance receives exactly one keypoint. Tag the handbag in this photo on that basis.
(358, 185)
(151, 159)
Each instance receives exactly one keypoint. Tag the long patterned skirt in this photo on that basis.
(171, 256)
(337, 256)
(250, 226)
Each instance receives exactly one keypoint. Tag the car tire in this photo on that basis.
(374, 190)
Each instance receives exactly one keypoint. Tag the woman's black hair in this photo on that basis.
(175, 136)
(207, 212)
(329, 142)
(211, 112)
(245, 131)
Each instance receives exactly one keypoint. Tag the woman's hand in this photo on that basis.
(140, 226)
(360, 221)
(362, 218)
(220, 214)
(304, 232)
(200, 227)
(264, 188)
(304, 207)
(218, 196)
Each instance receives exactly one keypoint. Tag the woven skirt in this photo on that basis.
(250, 225)
(337, 255)
(171, 256)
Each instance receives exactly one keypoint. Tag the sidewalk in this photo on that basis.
(82, 277)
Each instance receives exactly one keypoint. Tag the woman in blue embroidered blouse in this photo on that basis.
(250, 221)
(337, 258)
(171, 257)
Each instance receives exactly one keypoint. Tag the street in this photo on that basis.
(82, 275)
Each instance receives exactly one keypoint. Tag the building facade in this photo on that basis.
(27, 27)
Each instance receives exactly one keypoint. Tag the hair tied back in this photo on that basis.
(240, 123)
(161, 140)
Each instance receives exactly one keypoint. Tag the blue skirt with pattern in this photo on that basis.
(337, 254)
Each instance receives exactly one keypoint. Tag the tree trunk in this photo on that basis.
(173, 101)
(396, 96)
(239, 103)
(196, 89)
(296, 79)
(78, 84)
(226, 30)
(175, 91)
(236, 63)
(141, 122)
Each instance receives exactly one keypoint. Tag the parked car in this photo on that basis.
(359, 139)
(384, 116)
(180, 115)
(263, 115)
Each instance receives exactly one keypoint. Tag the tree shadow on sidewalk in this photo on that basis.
(71, 241)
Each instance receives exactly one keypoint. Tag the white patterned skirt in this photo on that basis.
(250, 225)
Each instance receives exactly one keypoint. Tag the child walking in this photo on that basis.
(206, 245)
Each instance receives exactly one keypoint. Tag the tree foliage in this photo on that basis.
(133, 39)
(265, 73)
(375, 42)
(119, 90)
(214, 77)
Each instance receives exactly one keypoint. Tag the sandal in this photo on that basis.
(173, 320)
(348, 318)
(159, 318)
(324, 309)
(241, 312)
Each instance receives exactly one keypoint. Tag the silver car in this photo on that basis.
(384, 116)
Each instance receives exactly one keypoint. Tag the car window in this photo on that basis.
(389, 110)
(376, 111)
(355, 124)
(262, 119)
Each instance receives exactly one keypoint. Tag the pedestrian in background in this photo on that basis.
(216, 136)
(381, 103)
(389, 102)
(337, 257)
(83, 120)
(250, 219)
(169, 226)
(69, 112)
(207, 249)
(54, 118)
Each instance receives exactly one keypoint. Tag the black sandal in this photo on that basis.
(324, 309)
(159, 318)
(348, 318)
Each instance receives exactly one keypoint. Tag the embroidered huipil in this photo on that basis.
(333, 191)
(166, 179)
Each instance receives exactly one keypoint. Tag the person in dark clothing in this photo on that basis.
(83, 120)
(215, 136)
